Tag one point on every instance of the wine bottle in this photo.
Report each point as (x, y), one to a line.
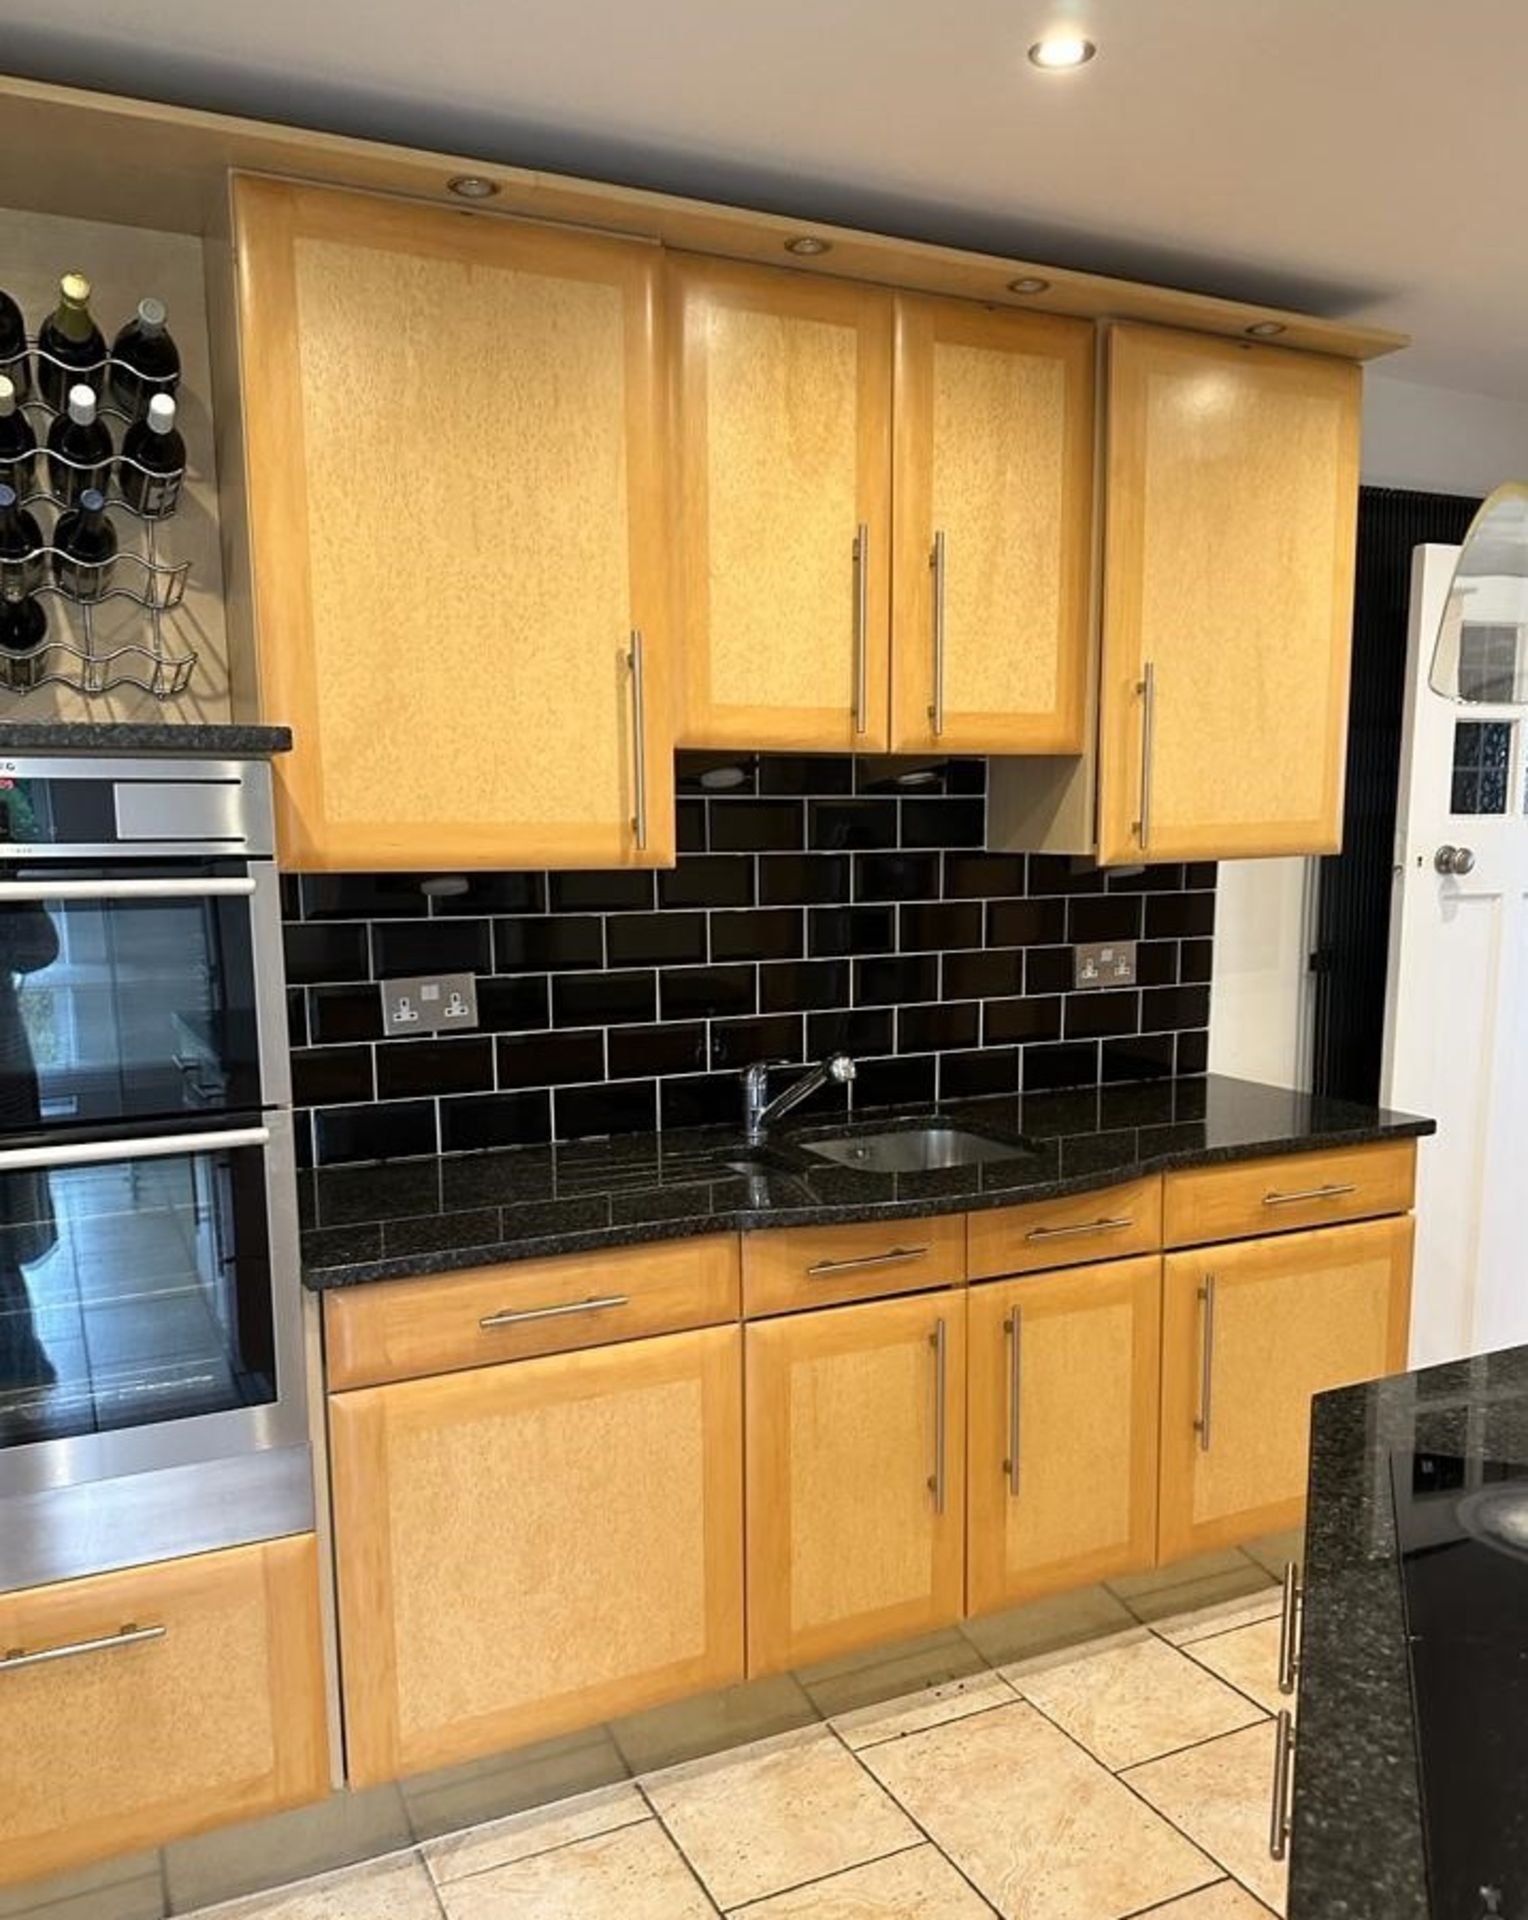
(68, 343)
(23, 563)
(153, 461)
(14, 358)
(79, 449)
(23, 627)
(85, 548)
(18, 443)
(145, 360)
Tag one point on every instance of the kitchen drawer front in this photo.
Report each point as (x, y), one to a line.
(796, 1267)
(168, 1699)
(1257, 1197)
(405, 1329)
(1080, 1228)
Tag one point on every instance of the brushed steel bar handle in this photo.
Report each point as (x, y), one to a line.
(938, 1341)
(639, 724)
(1283, 1755)
(1015, 1328)
(1289, 1627)
(1146, 686)
(97, 1152)
(128, 1636)
(1072, 1233)
(1334, 1190)
(516, 1317)
(936, 562)
(1206, 1364)
(228, 887)
(894, 1256)
(861, 627)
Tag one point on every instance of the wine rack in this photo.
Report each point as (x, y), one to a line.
(101, 653)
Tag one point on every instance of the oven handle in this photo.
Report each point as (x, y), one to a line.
(18, 1159)
(169, 889)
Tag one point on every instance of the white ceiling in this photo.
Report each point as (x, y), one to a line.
(1359, 158)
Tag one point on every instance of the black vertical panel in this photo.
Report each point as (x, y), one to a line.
(1353, 903)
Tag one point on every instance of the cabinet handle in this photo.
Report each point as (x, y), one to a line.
(1289, 1629)
(128, 1636)
(1146, 686)
(639, 724)
(1015, 1328)
(936, 563)
(1283, 1755)
(1206, 1363)
(861, 627)
(1333, 1190)
(1071, 1233)
(893, 1256)
(937, 1340)
(515, 1317)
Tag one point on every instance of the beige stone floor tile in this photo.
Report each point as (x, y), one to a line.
(891, 1719)
(635, 1873)
(1218, 1795)
(1248, 1657)
(1133, 1701)
(1045, 1626)
(917, 1885)
(777, 1814)
(491, 1789)
(1038, 1827)
(689, 1729)
(398, 1888)
(887, 1673)
(335, 1832)
(1225, 1901)
(539, 1830)
(130, 1887)
(1182, 1628)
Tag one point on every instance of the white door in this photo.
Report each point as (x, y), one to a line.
(1456, 1027)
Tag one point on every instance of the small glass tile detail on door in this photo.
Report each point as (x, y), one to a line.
(1482, 757)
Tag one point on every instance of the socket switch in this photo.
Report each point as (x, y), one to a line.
(1103, 963)
(430, 1003)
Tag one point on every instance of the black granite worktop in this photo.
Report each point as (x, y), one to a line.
(1357, 1846)
(432, 1215)
(215, 742)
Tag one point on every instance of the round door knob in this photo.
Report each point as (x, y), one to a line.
(1455, 860)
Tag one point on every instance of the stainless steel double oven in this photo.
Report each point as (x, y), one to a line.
(152, 1389)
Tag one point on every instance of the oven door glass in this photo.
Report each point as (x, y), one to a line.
(127, 993)
(135, 1286)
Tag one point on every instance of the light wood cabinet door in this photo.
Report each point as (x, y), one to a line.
(856, 1483)
(453, 439)
(1249, 1333)
(1062, 1462)
(1231, 498)
(169, 1698)
(529, 1548)
(783, 388)
(994, 514)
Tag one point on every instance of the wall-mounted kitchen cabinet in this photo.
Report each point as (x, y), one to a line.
(454, 461)
(1230, 502)
(885, 515)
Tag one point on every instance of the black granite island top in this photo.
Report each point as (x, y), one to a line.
(434, 1215)
(1357, 1849)
(218, 742)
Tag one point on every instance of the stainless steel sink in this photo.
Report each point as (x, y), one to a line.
(911, 1149)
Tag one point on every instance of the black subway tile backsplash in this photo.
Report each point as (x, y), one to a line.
(819, 903)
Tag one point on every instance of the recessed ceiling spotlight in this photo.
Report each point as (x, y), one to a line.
(807, 243)
(1058, 52)
(1265, 329)
(1028, 283)
(472, 186)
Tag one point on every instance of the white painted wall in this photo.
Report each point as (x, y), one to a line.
(1436, 440)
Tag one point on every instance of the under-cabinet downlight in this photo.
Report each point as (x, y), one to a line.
(1266, 329)
(807, 244)
(472, 186)
(1061, 52)
(1028, 283)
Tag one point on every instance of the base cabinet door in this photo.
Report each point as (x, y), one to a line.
(1250, 1332)
(856, 1503)
(140, 1706)
(528, 1548)
(1062, 1462)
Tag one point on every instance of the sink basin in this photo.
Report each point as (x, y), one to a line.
(912, 1149)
